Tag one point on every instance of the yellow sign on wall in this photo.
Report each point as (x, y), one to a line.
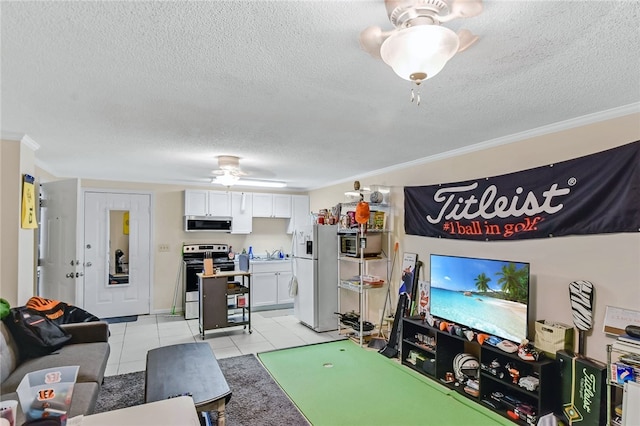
(125, 223)
(28, 216)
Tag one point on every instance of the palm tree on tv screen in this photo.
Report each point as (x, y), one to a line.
(513, 282)
(482, 283)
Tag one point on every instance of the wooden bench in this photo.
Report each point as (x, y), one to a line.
(187, 369)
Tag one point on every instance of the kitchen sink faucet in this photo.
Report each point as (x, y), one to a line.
(273, 254)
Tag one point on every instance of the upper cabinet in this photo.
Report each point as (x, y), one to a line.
(271, 205)
(207, 203)
(300, 213)
(242, 207)
(241, 212)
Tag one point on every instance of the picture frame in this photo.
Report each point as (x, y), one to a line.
(422, 298)
(409, 262)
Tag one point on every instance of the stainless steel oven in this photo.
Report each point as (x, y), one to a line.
(193, 256)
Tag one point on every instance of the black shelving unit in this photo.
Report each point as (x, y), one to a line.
(500, 392)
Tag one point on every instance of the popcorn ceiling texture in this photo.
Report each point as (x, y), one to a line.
(154, 91)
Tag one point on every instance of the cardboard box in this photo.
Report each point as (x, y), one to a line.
(583, 389)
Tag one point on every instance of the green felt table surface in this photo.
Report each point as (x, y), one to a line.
(340, 383)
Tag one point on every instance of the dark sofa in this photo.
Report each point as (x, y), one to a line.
(88, 348)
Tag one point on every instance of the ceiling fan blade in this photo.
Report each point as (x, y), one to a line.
(462, 9)
(467, 38)
(371, 39)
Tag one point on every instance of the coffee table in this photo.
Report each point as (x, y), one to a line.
(187, 369)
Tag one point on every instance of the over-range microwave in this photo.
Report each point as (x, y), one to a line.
(207, 224)
(350, 245)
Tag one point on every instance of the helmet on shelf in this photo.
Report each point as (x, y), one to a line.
(465, 366)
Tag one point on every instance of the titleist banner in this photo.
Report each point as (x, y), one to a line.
(596, 194)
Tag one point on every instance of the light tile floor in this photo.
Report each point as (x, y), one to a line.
(271, 330)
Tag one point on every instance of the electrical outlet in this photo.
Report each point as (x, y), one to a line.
(163, 247)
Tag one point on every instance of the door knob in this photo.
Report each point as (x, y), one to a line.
(79, 274)
(69, 275)
(88, 264)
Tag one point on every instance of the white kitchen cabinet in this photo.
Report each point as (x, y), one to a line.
(241, 213)
(282, 205)
(270, 283)
(262, 205)
(265, 289)
(271, 205)
(219, 203)
(207, 203)
(300, 213)
(283, 287)
(196, 203)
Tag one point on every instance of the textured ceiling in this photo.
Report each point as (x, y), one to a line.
(155, 91)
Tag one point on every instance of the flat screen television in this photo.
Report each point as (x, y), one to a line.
(489, 296)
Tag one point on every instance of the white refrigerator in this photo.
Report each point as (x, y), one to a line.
(315, 257)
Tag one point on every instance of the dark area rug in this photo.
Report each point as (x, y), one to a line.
(256, 398)
(116, 320)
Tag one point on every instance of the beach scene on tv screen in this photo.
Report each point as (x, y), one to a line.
(490, 296)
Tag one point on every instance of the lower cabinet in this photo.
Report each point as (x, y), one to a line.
(265, 289)
(271, 284)
(284, 277)
(519, 390)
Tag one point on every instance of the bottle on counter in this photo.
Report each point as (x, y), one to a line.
(250, 252)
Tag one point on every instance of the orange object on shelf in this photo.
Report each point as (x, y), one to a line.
(362, 212)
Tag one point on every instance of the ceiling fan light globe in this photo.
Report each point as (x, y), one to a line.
(421, 49)
(227, 179)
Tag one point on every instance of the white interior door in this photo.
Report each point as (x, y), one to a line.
(60, 265)
(112, 288)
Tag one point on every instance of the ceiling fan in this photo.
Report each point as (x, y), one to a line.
(419, 46)
(228, 172)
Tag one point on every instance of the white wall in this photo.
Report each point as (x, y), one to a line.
(18, 251)
(611, 261)
(10, 219)
(26, 237)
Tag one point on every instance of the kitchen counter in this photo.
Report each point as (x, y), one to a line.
(264, 260)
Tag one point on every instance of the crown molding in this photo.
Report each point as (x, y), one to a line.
(26, 139)
(572, 123)
(22, 137)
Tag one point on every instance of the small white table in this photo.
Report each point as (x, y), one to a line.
(179, 411)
